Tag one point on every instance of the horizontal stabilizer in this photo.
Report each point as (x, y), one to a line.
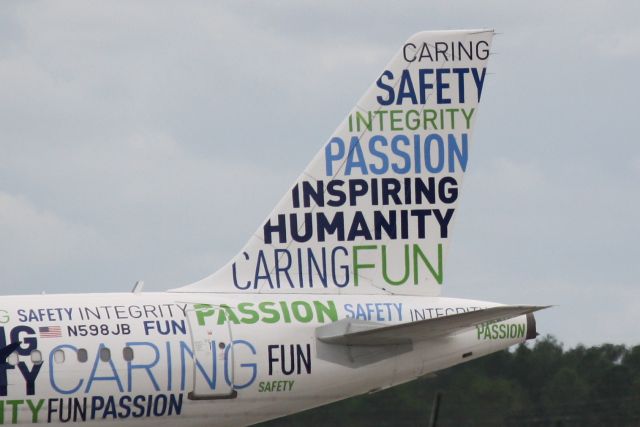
(354, 332)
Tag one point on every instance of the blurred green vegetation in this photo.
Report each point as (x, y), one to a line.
(539, 385)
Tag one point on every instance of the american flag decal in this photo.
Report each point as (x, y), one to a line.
(50, 331)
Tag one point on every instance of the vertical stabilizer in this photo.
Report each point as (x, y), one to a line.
(373, 211)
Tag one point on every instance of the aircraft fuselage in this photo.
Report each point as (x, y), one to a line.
(155, 358)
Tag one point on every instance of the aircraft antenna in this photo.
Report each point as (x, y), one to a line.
(137, 288)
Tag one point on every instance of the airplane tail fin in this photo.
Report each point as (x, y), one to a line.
(373, 211)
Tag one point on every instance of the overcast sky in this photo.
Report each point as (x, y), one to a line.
(147, 140)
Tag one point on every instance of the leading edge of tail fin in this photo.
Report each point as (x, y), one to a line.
(372, 212)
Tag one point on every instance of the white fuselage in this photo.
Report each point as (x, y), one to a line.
(211, 359)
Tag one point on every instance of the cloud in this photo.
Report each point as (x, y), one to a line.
(39, 239)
